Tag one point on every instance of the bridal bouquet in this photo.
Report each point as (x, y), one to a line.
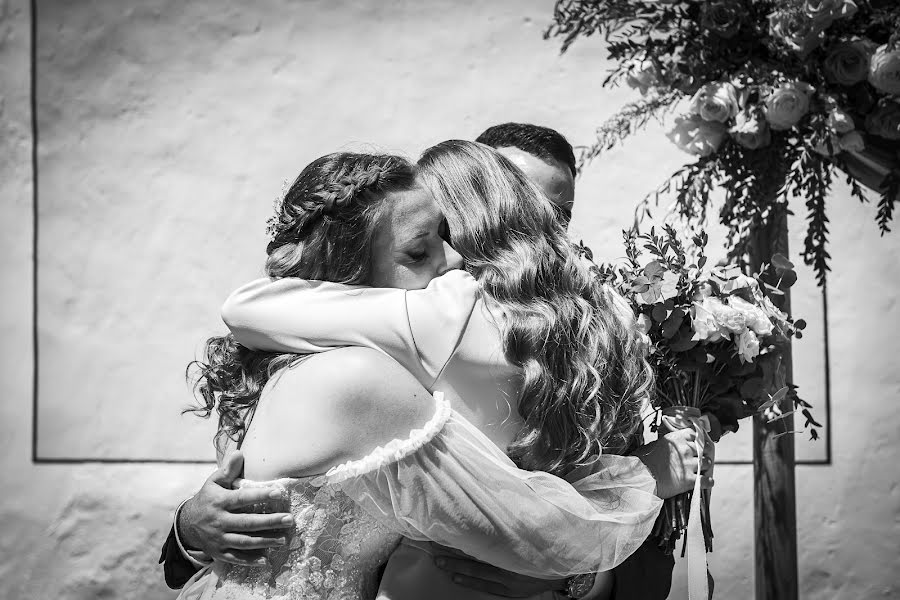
(714, 338)
(773, 96)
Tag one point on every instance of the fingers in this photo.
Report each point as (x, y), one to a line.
(233, 500)
(706, 482)
(245, 558)
(231, 469)
(247, 523)
(238, 541)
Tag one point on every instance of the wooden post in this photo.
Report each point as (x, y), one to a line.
(774, 500)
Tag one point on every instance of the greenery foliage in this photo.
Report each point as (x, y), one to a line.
(781, 94)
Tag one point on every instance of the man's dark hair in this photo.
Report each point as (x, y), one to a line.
(543, 142)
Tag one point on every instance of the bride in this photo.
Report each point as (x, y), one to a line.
(530, 333)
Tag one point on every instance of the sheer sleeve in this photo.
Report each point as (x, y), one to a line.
(450, 484)
(417, 328)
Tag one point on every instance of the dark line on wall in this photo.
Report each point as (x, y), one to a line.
(118, 461)
(34, 216)
(815, 462)
(827, 373)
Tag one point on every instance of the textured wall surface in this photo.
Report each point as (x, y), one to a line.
(167, 130)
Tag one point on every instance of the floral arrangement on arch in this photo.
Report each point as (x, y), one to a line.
(716, 340)
(776, 94)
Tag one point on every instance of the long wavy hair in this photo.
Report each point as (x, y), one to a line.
(585, 376)
(324, 229)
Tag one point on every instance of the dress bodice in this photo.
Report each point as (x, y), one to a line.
(333, 552)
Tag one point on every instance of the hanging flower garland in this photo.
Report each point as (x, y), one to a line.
(780, 95)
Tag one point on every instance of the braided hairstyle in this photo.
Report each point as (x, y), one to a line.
(323, 229)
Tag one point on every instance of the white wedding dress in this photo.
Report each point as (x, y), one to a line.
(448, 483)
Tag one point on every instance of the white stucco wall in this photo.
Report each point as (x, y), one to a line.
(167, 130)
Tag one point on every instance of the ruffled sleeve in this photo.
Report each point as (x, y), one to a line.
(418, 328)
(450, 484)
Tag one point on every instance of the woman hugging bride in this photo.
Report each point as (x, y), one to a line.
(428, 370)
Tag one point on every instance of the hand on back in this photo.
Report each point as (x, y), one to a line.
(214, 520)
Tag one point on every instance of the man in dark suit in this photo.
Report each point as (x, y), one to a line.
(212, 519)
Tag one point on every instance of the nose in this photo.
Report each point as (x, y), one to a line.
(452, 259)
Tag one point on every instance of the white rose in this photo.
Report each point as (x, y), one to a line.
(731, 319)
(696, 136)
(748, 346)
(797, 31)
(704, 324)
(715, 102)
(884, 70)
(787, 104)
(754, 316)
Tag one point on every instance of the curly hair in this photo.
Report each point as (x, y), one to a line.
(584, 375)
(323, 229)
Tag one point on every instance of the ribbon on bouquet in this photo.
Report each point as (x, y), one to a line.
(682, 417)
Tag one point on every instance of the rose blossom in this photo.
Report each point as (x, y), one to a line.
(748, 346)
(787, 104)
(754, 316)
(852, 142)
(884, 70)
(696, 136)
(642, 75)
(848, 62)
(723, 17)
(750, 130)
(704, 323)
(715, 102)
(731, 319)
(884, 121)
(796, 30)
(825, 12)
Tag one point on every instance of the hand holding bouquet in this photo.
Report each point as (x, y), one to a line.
(715, 339)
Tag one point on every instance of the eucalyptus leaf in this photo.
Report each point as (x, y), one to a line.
(780, 261)
(659, 313)
(672, 324)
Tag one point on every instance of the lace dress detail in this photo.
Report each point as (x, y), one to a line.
(334, 550)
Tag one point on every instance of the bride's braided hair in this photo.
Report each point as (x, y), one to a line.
(323, 229)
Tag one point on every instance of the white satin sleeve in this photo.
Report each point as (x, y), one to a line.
(450, 484)
(418, 328)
